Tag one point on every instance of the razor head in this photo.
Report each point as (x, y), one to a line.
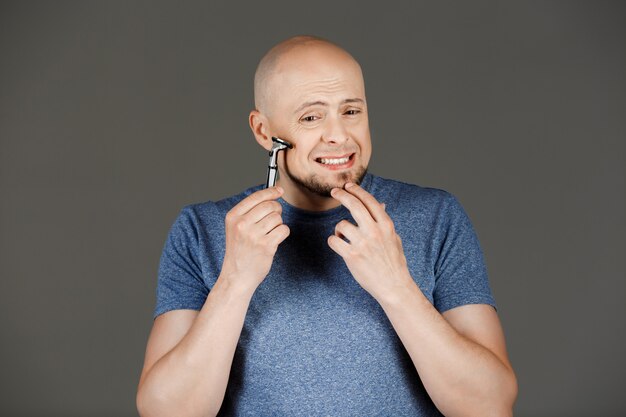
(282, 142)
(279, 145)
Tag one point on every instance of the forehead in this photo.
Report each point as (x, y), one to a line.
(317, 73)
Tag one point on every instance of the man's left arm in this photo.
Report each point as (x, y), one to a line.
(460, 355)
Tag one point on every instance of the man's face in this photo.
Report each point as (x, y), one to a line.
(319, 106)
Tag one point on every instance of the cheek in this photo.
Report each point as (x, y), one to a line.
(294, 158)
(364, 140)
(301, 152)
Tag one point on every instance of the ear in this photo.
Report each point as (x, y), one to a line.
(260, 128)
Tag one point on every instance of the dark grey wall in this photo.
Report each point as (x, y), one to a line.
(115, 115)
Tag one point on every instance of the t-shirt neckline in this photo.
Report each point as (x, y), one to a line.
(295, 213)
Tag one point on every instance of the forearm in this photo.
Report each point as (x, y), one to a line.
(191, 379)
(462, 377)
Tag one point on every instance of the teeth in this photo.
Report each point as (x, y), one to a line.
(334, 161)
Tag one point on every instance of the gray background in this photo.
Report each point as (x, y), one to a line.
(115, 115)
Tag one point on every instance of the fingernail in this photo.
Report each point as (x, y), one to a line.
(279, 188)
(349, 184)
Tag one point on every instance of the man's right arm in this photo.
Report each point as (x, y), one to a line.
(189, 354)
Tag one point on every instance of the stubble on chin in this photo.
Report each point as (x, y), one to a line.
(316, 186)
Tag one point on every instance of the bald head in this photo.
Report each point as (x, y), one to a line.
(285, 55)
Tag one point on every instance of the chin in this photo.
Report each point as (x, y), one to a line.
(322, 186)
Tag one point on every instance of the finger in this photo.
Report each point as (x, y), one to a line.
(269, 222)
(338, 245)
(347, 229)
(376, 209)
(358, 210)
(255, 198)
(278, 234)
(257, 213)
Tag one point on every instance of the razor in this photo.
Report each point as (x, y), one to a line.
(272, 171)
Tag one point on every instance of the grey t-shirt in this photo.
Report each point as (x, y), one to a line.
(314, 343)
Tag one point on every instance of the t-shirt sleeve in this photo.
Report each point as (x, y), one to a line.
(460, 271)
(180, 284)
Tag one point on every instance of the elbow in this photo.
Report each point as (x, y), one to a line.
(498, 402)
(495, 399)
(145, 406)
(511, 393)
(502, 404)
(150, 404)
(140, 405)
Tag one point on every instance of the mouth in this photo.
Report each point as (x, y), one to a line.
(335, 163)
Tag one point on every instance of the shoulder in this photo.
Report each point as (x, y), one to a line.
(416, 197)
(411, 206)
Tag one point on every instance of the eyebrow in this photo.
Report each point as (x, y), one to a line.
(323, 103)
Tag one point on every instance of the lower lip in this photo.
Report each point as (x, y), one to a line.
(338, 167)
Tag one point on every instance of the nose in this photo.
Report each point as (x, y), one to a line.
(335, 132)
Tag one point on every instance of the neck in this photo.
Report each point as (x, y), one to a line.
(302, 198)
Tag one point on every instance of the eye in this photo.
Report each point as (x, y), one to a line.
(353, 112)
(309, 118)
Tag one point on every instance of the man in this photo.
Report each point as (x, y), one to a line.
(337, 292)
